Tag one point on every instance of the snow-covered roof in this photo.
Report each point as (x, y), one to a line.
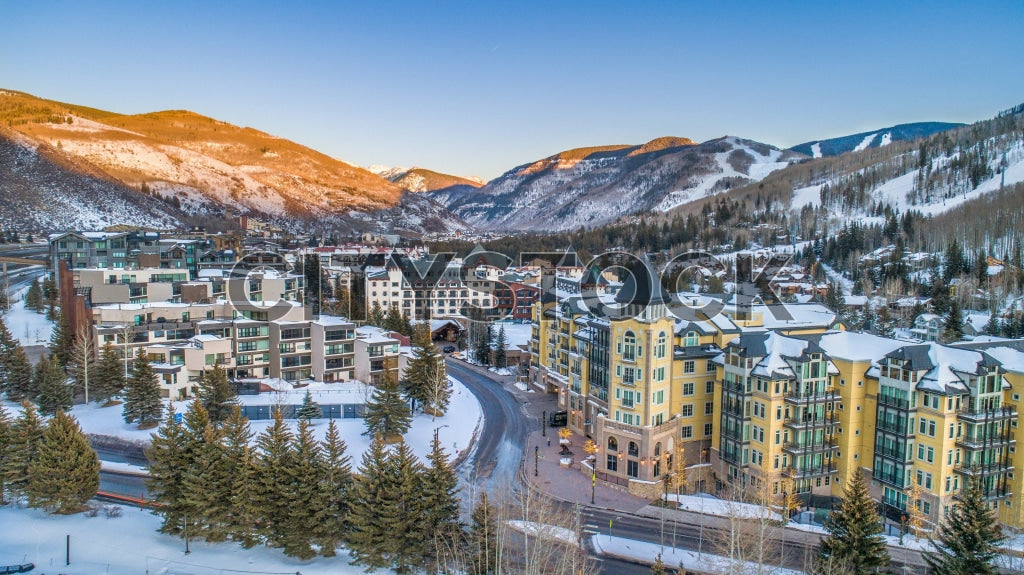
(775, 349)
(942, 365)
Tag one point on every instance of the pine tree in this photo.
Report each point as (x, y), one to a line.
(482, 539)
(6, 450)
(62, 340)
(20, 384)
(440, 515)
(234, 514)
(205, 489)
(34, 297)
(501, 349)
(854, 532)
(66, 471)
(26, 435)
(142, 395)
(370, 539)
(414, 540)
(386, 413)
(969, 539)
(376, 315)
(335, 491)
(659, 567)
(52, 382)
(422, 370)
(108, 376)
(305, 495)
(217, 394)
(273, 484)
(168, 463)
(309, 409)
(954, 323)
(393, 319)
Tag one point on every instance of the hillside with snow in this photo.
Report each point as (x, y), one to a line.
(873, 139)
(593, 186)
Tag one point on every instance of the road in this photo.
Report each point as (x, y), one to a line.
(499, 448)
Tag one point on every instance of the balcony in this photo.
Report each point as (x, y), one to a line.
(734, 387)
(973, 442)
(800, 398)
(733, 434)
(891, 401)
(811, 422)
(810, 472)
(899, 427)
(982, 470)
(896, 478)
(970, 414)
(812, 447)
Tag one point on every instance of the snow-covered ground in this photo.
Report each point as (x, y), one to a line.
(544, 531)
(29, 327)
(710, 505)
(645, 552)
(455, 428)
(130, 544)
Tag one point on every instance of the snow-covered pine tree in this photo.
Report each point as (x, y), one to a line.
(55, 394)
(108, 376)
(273, 481)
(66, 471)
(309, 409)
(854, 543)
(969, 539)
(167, 467)
(440, 504)
(482, 539)
(387, 414)
(26, 434)
(335, 491)
(217, 394)
(305, 495)
(142, 395)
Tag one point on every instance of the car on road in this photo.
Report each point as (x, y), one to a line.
(449, 349)
(23, 568)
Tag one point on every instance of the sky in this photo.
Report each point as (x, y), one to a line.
(477, 88)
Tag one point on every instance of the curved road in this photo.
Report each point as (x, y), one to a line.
(499, 448)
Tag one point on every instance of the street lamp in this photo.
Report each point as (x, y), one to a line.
(544, 424)
(536, 459)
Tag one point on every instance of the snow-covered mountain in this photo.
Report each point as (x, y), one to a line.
(419, 180)
(593, 186)
(873, 139)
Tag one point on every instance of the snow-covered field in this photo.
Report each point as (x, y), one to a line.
(645, 552)
(29, 327)
(130, 545)
(710, 505)
(455, 429)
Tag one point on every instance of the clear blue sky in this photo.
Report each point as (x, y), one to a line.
(476, 88)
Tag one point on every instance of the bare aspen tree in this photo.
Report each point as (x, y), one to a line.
(83, 358)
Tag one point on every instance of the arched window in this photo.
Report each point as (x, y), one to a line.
(634, 449)
(629, 346)
(659, 349)
(613, 444)
(657, 449)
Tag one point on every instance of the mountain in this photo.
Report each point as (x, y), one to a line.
(199, 165)
(424, 180)
(874, 139)
(593, 186)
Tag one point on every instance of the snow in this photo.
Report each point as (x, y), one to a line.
(544, 531)
(816, 150)
(457, 427)
(516, 334)
(130, 544)
(856, 346)
(119, 467)
(1011, 359)
(710, 505)
(865, 142)
(29, 327)
(809, 196)
(644, 552)
(886, 139)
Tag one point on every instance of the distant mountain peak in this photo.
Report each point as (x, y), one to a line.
(872, 139)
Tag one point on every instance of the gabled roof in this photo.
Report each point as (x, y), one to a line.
(642, 286)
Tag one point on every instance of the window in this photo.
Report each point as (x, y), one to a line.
(688, 410)
(710, 366)
(709, 407)
(632, 468)
(686, 431)
(612, 463)
(659, 397)
(659, 349)
(708, 429)
(688, 388)
(689, 366)
(613, 444)
(634, 449)
(629, 347)
(709, 387)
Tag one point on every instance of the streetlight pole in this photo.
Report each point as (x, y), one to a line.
(536, 459)
(544, 424)
(593, 481)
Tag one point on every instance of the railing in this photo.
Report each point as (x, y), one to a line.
(983, 468)
(829, 394)
(895, 478)
(812, 471)
(893, 401)
(893, 453)
(900, 427)
(825, 421)
(810, 447)
(982, 441)
(1005, 411)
